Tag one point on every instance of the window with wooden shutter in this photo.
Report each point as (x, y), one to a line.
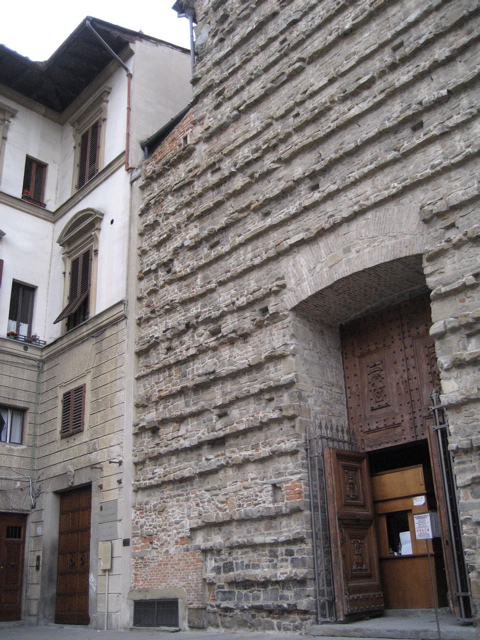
(34, 181)
(89, 130)
(78, 307)
(73, 411)
(21, 310)
(89, 154)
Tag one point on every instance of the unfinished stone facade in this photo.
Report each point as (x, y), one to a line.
(330, 171)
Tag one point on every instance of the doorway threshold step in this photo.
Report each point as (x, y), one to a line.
(399, 626)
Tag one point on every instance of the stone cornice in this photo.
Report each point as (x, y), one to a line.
(53, 216)
(26, 207)
(92, 184)
(86, 330)
(97, 323)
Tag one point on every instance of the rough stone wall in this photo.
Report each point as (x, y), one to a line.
(333, 145)
(453, 274)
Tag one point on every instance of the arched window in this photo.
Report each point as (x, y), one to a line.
(80, 242)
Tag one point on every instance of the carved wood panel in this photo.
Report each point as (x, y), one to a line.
(390, 369)
(354, 549)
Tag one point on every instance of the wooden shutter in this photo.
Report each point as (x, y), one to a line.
(89, 154)
(34, 181)
(84, 272)
(21, 307)
(74, 272)
(80, 281)
(73, 411)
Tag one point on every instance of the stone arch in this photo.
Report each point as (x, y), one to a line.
(84, 223)
(393, 237)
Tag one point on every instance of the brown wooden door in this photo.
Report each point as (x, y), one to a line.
(390, 371)
(73, 557)
(356, 570)
(12, 550)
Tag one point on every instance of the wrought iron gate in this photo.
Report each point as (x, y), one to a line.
(440, 426)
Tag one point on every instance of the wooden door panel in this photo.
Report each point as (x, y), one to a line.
(73, 557)
(12, 550)
(354, 550)
(378, 398)
(423, 374)
(401, 592)
(390, 370)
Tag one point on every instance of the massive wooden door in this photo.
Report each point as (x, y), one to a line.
(12, 549)
(355, 564)
(390, 372)
(73, 557)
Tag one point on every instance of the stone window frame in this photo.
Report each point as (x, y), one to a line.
(33, 190)
(6, 115)
(96, 111)
(17, 305)
(81, 234)
(9, 410)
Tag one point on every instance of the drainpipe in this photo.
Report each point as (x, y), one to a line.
(34, 435)
(190, 14)
(185, 9)
(129, 91)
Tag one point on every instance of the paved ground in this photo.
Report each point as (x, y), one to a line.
(56, 632)
(422, 626)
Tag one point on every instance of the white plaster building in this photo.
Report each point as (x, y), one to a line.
(70, 133)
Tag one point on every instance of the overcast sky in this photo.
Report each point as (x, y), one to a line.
(36, 29)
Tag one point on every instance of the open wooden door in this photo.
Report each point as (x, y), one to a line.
(356, 573)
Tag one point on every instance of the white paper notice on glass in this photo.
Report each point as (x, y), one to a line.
(406, 542)
(418, 501)
(423, 526)
(426, 525)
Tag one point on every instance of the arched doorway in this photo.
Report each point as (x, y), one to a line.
(390, 374)
(383, 317)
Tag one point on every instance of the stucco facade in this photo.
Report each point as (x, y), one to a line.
(328, 174)
(62, 346)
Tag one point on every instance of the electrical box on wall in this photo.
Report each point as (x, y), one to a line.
(105, 555)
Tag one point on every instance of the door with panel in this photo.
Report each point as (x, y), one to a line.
(390, 371)
(72, 604)
(12, 551)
